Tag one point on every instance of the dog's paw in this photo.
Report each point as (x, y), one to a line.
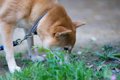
(37, 58)
(15, 68)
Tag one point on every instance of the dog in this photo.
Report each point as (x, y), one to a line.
(55, 29)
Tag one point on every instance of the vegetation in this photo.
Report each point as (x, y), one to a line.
(89, 65)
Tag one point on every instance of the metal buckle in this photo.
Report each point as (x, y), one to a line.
(19, 41)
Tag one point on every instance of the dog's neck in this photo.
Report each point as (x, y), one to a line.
(39, 9)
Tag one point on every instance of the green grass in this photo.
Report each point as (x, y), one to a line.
(57, 68)
(108, 52)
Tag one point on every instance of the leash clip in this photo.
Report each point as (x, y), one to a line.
(19, 41)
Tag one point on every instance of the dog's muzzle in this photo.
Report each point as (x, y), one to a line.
(68, 49)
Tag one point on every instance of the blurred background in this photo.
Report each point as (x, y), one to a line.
(102, 19)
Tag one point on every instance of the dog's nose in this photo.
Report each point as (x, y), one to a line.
(67, 48)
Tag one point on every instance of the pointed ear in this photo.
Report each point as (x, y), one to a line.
(63, 34)
(78, 23)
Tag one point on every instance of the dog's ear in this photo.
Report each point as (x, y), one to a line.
(78, 24)
(63, 33)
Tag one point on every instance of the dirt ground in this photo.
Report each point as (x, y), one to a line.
(102, 19)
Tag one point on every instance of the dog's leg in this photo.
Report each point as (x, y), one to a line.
(7, 34)
(30, 44)
(33, 52)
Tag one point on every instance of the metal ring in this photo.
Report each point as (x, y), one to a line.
(19, 41)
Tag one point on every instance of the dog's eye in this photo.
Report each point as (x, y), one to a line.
(53, 34)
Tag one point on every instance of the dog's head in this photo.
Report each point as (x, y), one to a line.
(56, 29)
(59, 37)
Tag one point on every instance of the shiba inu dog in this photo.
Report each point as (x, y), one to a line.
(55, 29)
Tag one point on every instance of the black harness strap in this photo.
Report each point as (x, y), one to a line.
(30, 33)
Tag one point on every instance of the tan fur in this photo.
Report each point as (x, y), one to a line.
(55, 29)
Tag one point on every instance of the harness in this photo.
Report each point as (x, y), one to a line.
(28, 35)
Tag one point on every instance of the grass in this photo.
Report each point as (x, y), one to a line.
(76, 68)
(107, 52)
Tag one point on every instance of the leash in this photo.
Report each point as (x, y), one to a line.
(30, 33)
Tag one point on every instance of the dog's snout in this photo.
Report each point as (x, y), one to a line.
(67, 48)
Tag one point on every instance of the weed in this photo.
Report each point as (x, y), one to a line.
(108, 52)
(57, 68)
